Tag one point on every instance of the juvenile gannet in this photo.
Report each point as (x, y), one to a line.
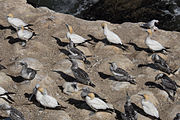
(152, 44)
(151, 24)
(120, 74)
(27, 73)
(80, 75)
(25, 34)
(97, 104)
(130, 113)
(161, 64)
(16, 22)
(44, 99)
(77, 39)
(177, 117)
(149, 107)
(5, 94)
(70, 87)
(13, 113)
(76, 53)
(167, 83)
(112, 37)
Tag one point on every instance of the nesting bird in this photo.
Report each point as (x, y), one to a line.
(120, 74)
(130, 113)
(25, 34)
(16, 22)
(153, 45)
(177, 117)
(151, 25)
(161, 64)
(70, 87)
(44, 99)
(167, 83)
(112, 37)
(76, 53)
(149, 107)
(77, 39)
(5, 94)
(27, 73)
(97, 104)
(80, 75)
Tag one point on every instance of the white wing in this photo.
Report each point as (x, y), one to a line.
(150, 109)
(112, 37)
(17, 22)
(77, 38)
(154, 45)
(2, 90)
(49, 101)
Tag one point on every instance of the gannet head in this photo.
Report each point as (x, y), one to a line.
(155, 21)
(145, 96)
(155, 57)
(10, 15)
(149, 31)
(91, 95)
(159, 76)
(69, 28)
(104, 25)
(113, 64)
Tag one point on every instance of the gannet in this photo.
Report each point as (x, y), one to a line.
(25, 34)
(167, 83)
(44, 99)
(151, 24)
(161, 64)
(97, 104)
(112, 37)
(13, 113)
(149, 107)
(16, 22)
(76, 53)
(120, 74)
(130, 113)
(70, 87)
(77, 39)
(177, 117)
(5, 94)
(80, 75)
(152, 44)
(27, 73)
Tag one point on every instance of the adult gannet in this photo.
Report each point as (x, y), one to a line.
(13, 113)
(97, 104)
(77, 39)
(112, 37)
(167, 83)
(70, 87)
(149, 107)
(151, 25)
(177, 117)
(44, 99)
(76, 53)
(5, 94)
(152, 44)
(161, 64)
(80, 75)
(130, 113)
(16, 22)
(25, 34)
(27, 73)
(120, 74)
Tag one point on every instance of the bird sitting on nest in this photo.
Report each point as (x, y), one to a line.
(70, 87)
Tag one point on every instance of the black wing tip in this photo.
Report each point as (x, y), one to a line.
(91, 84)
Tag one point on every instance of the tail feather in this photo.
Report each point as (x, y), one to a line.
(91, 84)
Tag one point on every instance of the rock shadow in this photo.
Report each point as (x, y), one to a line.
(12, 40)
(59, 42)
(104, 76)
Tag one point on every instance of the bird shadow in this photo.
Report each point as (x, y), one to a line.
(66, 77)
(12, 40)
(17, 79)
(104, 76)
(80, 104)
(4, 118)
(137, 48)
(95, 39)
(119, 114)
(64, 51)
(141, 111)
(59, 42)
(150, 65)
(61, 88)
(7, 27)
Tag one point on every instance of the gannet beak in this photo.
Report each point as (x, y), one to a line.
(110, 63)
(141, 95)
(34, 92)
(67, 25)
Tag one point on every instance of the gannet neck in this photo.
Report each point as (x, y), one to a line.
(74, 64)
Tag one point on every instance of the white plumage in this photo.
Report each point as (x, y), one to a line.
(24, 34)
(3, 91)
(111, 36)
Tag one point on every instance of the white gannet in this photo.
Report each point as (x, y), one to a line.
(16, 22)
(44, 99)
(112, 37)
(177, 117)
(27, 73)
(151, 25)
(167, 83)
(5, 94)
(152, 44)
(77, 39)
(76, 53)
(70, 87)
(80, 75)
(13, 113)
(97, 104)
(120, 74)
(161, 64)
(149, 107)
(25, 34)
(130, 113)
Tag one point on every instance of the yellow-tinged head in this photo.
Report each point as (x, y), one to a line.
(70, 29)
(91, 95)
(146, 97)
(10, 15)
(103, 24)
(149, 31)
(22, 27)
(40, 89)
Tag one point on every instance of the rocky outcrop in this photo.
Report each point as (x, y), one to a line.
(47, 53)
